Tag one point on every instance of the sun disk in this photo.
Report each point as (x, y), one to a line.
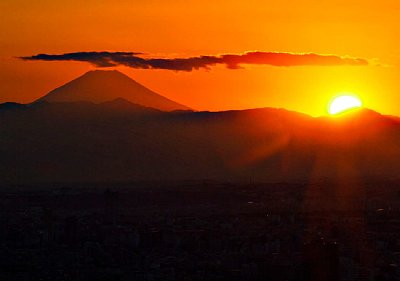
(343, 103)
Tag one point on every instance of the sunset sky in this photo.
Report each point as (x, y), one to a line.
(350, 31)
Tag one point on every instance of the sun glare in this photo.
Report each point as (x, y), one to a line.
(343, 103)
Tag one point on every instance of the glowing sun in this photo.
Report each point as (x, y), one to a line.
(343, 103)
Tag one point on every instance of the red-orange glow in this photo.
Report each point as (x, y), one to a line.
(361, 29)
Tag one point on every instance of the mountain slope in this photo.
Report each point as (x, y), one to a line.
(101, 86)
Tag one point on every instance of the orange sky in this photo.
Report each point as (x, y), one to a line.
(362, 29)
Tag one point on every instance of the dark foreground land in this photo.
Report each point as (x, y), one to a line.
(201, 231)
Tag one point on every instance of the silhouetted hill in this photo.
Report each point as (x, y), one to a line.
(122, 105)
(11, 106)
(101, 86)
(121, 141)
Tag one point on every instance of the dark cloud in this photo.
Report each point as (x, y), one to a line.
(100, 59)
(289, 59)
(232, 61)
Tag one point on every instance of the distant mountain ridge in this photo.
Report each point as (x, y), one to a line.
(105, 127)
(100, 86)
(119, 141)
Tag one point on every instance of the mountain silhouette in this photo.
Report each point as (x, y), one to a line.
(100, 86)
(11, 106)
(118, 141)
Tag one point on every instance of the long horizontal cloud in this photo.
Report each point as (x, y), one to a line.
(232, 61)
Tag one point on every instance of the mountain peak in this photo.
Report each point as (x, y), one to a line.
(101, 72)
(99, 86)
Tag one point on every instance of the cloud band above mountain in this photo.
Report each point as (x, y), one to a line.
(232, 61)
